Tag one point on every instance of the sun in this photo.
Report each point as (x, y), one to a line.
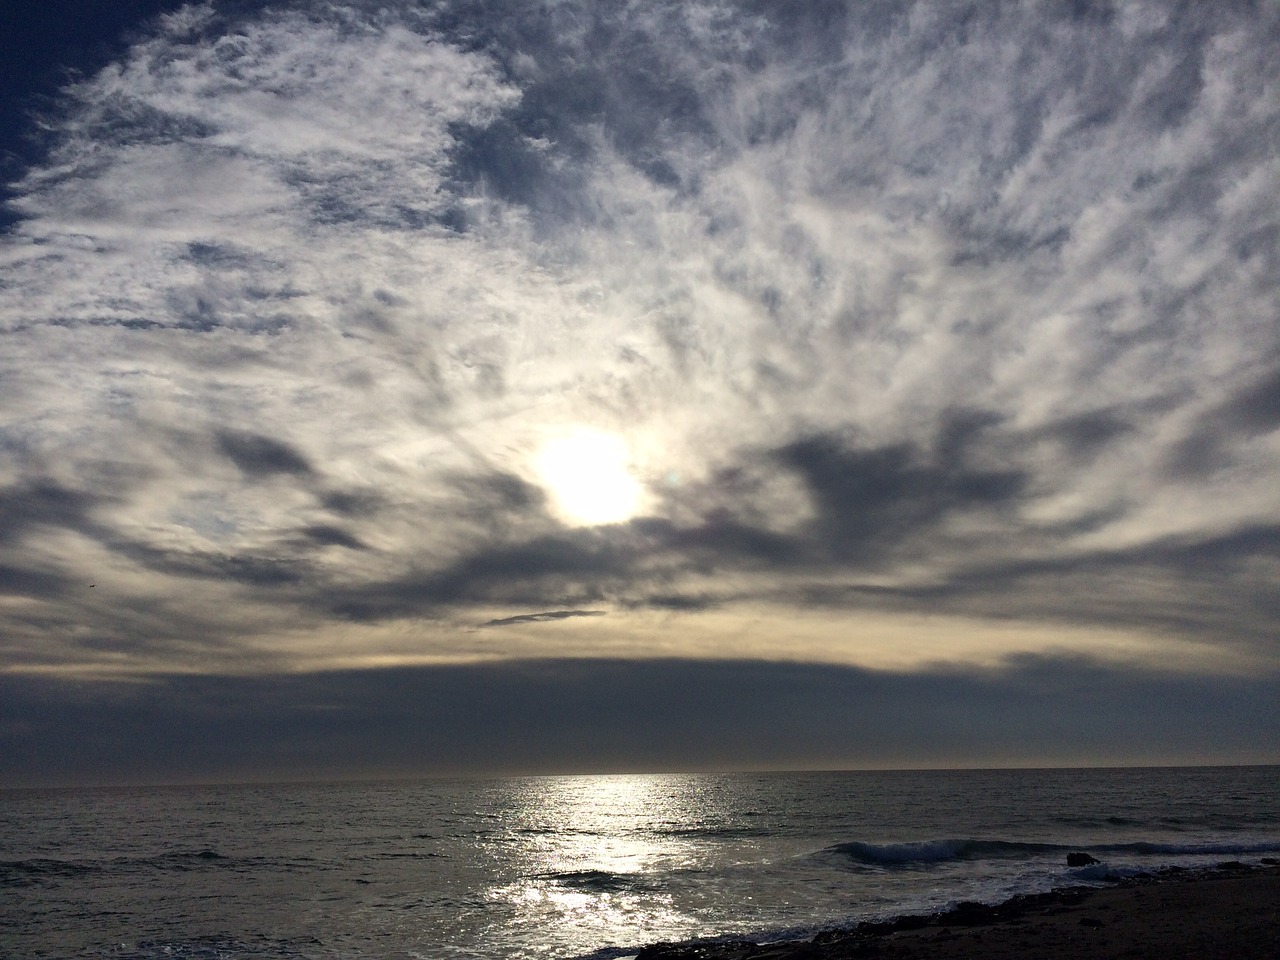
(587, 474)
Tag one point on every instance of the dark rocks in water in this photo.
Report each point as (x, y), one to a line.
(721, 950)
(968, 913)
(1080, 860)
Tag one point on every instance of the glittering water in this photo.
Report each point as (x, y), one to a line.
(579, 866)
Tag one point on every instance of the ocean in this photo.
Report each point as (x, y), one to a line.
(584, 866)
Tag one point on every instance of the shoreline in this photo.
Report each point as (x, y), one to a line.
(1231, 910)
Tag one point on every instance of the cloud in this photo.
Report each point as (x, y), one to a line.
(1231, 427)
(876, 498)
(907, 313)
(16, 581)
(32, 505)
(258, 455)
(327, 535)
(544, 617)
(585, 716)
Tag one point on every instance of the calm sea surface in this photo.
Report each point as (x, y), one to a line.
(579, 866)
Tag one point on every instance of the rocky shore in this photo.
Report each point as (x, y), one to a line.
(1231, 911)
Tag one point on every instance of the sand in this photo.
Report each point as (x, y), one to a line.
(1232, 911)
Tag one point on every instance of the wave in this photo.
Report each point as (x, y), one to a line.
(37, 870)
(26, 873)
(713, 833)
(1223, 848)
(935, 851)
(941, 851)
(185, 859)
(215, 948)
(596, 881)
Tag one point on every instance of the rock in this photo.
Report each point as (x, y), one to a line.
(1080, 860)
(968, 913)
(721, 950)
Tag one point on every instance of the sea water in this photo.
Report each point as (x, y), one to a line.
(581, 866)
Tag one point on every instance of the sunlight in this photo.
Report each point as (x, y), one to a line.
(588, 477)
(590, 847)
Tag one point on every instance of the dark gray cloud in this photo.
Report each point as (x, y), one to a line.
(354, 504)
(1218, 589)
(547, 616)
(592, 715)
(873, 500)
(28, 506)
(17, 581)
(568, 567)
(259, 456)
(1085, 434)
(330, 536)
(1255, 410)
(1249, 414)
(268, 571)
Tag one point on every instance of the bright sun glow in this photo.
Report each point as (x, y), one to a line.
(587, 474)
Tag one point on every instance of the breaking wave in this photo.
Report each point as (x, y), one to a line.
(938, 851)
(596, 881)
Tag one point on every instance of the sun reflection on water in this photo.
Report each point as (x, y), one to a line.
(587, 846)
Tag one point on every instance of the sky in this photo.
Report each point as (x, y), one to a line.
(482, 386)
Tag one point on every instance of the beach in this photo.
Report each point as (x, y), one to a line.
(1231, 911)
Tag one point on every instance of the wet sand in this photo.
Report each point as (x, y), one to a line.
(1232, 911)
